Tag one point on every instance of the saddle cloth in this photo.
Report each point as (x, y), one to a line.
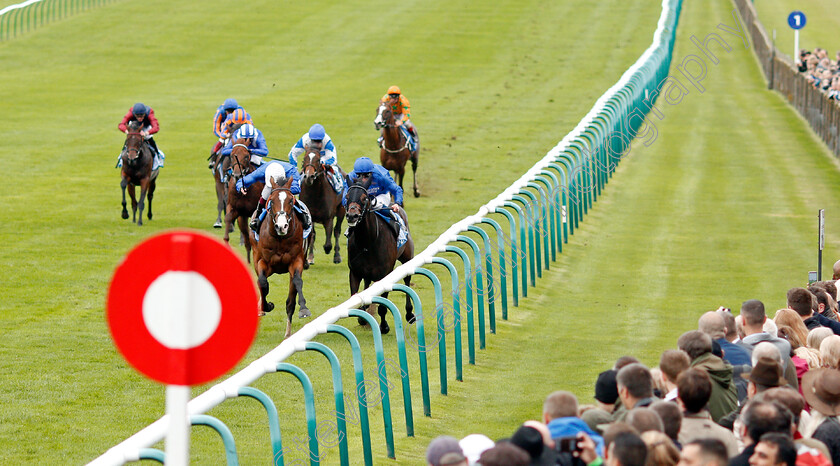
(397, 225)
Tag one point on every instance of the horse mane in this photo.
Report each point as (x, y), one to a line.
(134, 125)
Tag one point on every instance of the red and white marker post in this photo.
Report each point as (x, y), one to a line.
(182, 309)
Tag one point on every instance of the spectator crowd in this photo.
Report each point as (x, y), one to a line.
(740, 389)
(821, 71)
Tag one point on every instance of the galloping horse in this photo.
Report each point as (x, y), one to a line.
(220, 168)
(279, 249)
(395, 151)
(137, 161)
(372, 248)
(241, 206)
(323, 202)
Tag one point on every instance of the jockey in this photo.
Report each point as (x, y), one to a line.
(402, 112)
(318, 136)
(233, 121)
(266, 173)
(219, 118)
(146, 116)
(253, 139)
(381, 187)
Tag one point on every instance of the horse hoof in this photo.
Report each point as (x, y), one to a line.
(327, 249)
(384, 328)
(125, 215)
(218, 224)
(305, 265)
(260, 313)
(362, 322)
(304, 313)
(337, 260)
(416, 193)
(268, 307)
(410, 318)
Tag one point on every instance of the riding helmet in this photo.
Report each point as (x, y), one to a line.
(139, 109)
(239, 116)
(246, 131)
(363, 165)
(230, 104)
(394, 90)
(316, 132)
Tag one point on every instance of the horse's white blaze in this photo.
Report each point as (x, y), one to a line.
(181, 309)
(312, 156)
(379, 118)
(281, 221)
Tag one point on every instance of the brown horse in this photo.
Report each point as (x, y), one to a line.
(137, 161)
(220, 172)
(395, 151)
(372, 248)
(241, 206)
(323, 202)
(281, 249)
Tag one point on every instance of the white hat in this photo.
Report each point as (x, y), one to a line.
(474, 445)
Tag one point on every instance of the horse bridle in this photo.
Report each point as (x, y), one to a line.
(313, 164)
(291, 217)
(236, 159)
(137, 151)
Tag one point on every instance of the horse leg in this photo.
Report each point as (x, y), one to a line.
(133, 203)
(414, 159)
(354, 288)
(244, 233)
(230, 215)
(384, 328)
(123, 184)
(221, 198)
(297, 281)
(409, 306)
(262, 282)
(310, 249)
(328, 230)
(339, 219)
(144, 188)
(151, 195)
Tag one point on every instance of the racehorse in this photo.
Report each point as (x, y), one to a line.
(137, 161)
(279, 249)
(220, 168)
(241, 206)
(323, 202)
(372, 248)
(395, 149)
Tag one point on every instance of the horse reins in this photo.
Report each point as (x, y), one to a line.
(384, 145)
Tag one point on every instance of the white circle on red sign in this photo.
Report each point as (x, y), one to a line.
(181, 309)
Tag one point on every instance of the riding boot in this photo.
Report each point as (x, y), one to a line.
(256, 219)
(307, 217)
(212, 160)
(379, 141)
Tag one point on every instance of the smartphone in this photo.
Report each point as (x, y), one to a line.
(566, 444)
(812, 277)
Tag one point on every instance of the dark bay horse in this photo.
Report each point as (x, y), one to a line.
(323, 202)
(137, 161)
(395, 150)
(372, 248)
(241, 206)
(281, 249)
(220, 169)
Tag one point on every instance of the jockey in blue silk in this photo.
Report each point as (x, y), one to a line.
(382, 186)
(222, 114)
(253, 139)
(267, 173)
(318, 136)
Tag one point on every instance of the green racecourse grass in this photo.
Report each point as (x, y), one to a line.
(719, 209)
(820, 29)
(493, 89)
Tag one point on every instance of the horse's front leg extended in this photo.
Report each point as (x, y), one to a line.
(123, 184)
(144, 188)
(262, 281)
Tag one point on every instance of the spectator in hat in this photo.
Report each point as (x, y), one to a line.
(504, 454)
(704, 452)
(724, 397)
(671, 416)
(821, 388)
(671, 364)
(445, 451)
(474, 445)
(530, 440)
(759, 418)
(774, 450)
(766, 374)
(660, 449)
(695, 390)
(560, 411)
(635, 388)
(596, 419)
(606, 390)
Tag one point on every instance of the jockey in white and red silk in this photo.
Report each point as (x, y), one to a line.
(146, 117)
(254, 141)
